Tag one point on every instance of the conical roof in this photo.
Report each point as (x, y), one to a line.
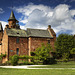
(12, 17)
(1, 28)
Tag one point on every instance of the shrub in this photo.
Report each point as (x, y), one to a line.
(25, 57)
(32, 53)
(49, 61)
(65, 60)
(65, 56)
(2, 55)
(0, 60)
(14, 60)
(28, 63)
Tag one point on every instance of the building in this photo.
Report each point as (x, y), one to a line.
(14, 40)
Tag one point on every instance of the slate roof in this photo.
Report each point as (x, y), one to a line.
(16, 32)
(12, 17)
(28, 32)
(38, 33)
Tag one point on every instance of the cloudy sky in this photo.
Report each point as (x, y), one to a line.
(60, 14)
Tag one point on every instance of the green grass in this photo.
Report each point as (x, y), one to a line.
(70, 64)
(4, 71)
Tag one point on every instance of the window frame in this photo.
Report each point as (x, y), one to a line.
(48, 41)
(17, 40)
(17, 51)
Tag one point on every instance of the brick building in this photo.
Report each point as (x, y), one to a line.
(14, 40)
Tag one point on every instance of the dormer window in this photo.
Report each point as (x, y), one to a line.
(17, 33)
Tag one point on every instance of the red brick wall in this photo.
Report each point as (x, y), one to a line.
(12, 24)
(22, 45)
(36, 42)
(0, 49)
(4, 47)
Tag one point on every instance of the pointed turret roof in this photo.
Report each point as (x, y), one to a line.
(12, 17)
(1, 28)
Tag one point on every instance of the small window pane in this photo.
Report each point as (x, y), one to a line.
(17, 40)
(48, 41)
(17, 51)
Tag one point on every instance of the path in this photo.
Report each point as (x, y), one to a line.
(27, 67)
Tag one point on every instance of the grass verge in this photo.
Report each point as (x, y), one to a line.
(70, 64)
(4, 71)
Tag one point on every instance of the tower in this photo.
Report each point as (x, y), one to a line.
(1, 32)
(12, 21)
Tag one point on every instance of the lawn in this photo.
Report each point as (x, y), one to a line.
(70, 64)
(4, 71)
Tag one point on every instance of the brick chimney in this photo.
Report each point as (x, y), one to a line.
(51, 31)
(49, 26)
(53, 34)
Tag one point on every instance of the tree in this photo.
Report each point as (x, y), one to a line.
(43, 53)
(64, 43)
(73, 53)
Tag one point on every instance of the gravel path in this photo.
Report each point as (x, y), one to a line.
(27, 67)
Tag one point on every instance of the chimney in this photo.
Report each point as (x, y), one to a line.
(7, 26)
(49, 26)
(49, 29)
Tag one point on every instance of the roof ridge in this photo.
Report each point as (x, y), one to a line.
(15, 29)
(36, 29)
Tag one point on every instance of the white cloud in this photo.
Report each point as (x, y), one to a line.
(40, 16)
(72, 12)
(1, 11)
(61, 12)
(3, 24)
(24, 21)
(27, 10)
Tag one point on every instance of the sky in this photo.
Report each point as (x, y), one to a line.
(60, 14)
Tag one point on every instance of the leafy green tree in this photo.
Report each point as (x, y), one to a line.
(43, 53)
(64, 43)
(73, 52)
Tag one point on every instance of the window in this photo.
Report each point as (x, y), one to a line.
(17, 40)
(17, 51)
(11, 50)
(48, 41)
(1, 39)
(17, 33)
